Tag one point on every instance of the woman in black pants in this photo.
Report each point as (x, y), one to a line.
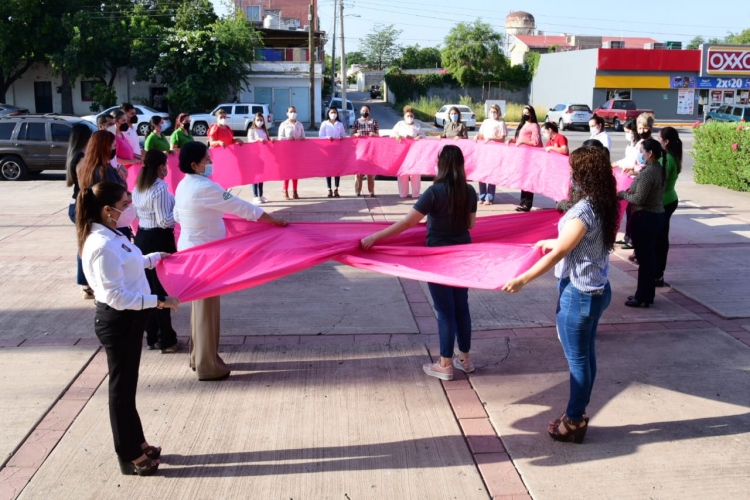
(154, 205)
(646, 195)
(114, 269)
(79, 139)
(671, 142)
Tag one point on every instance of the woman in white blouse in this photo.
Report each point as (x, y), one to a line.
(114, 270)
(332, 128)
(596, 126)
(154, 205)
(493, 129)
(200, 205)
(408, 128)
(258, 133)
(291, 130)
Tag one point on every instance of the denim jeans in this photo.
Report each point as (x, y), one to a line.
(578, 315)
(258, 190)
(486, 192)
(453, 317)
(80, 277)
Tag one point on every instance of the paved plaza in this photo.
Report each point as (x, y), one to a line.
(327, 398)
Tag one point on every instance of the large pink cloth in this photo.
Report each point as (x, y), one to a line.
(256, 253)
(522, 167)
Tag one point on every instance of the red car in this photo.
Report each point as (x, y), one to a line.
(615, 112)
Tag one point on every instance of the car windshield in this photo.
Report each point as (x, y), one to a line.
(627, 104)
(150, 110)
(579, 107)
(747, 114)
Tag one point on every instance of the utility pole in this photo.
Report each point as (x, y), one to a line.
(344, 83)
(333, 54)
(311, 53)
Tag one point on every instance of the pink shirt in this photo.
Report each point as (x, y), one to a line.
(530, 133)
(124, 149)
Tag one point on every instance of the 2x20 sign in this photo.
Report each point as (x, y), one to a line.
(728, 61)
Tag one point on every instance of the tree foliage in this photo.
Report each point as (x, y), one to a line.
(356, 58)
(531, 62)
(473, 53)
(416, 57)
(381, 46)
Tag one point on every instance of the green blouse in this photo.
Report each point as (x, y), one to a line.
(158, 142)
(670, 195)
(180, 138)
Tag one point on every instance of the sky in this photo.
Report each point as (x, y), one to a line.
(427, 22)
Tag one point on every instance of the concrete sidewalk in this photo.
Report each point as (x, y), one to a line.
(327, 398)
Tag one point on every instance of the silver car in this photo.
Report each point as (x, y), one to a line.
(568, 115)
(144, 114)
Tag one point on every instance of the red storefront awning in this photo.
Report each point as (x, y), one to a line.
(648, 60)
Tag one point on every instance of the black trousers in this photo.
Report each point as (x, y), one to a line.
(647, 228)
(629, 208)
(662, 245)
(159, 328)
(121, 334)
(527, 199)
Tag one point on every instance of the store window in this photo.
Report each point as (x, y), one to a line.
(253, 13)
(87, 91)
(619, 94)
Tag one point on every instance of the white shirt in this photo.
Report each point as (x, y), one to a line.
(256, 134)
(335, 130)
(604, 138)
(287, 130)
(114, 267)
(134, 140)
(155, 206)
(200, 205)
(403, 129)
(493, 129)
(631, 157)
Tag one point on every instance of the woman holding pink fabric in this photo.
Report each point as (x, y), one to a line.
(528, 133)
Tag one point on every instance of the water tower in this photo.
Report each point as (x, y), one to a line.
(518, 23)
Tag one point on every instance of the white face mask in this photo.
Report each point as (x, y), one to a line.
(292, 115)
(594, 130)
(127, 216)
(629, 136)
(259, 123)
(409, 119)
(112, 129)
(545, 137)
(493, 115)
(222, 121)
(333, 116)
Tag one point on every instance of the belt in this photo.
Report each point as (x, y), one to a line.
(595, 293)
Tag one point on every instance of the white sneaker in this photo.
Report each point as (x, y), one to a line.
(257, 201)
(263, 199)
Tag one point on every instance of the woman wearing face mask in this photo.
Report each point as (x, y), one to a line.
(219, 134)
(79, 138)
(493, 129)
(291, 130)
(596, 127)
(644, 125)
(646, 194)
(454, 128)
(181, 134)
(629, 164)
(125, 154)
(258, 133)
(155, 139)
(411, 129)
(528, 133)
(114, 269)
(332, 128)
(154, 205)
(200, 205)
(672, 144)
(450, 205)
(365, 126)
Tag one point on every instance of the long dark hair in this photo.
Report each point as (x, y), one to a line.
(90, 203)
(152, 160)
(458, 112)
(531, 118)
(453, 176)
(337, 113)
(593, 179)
(192, 152)
(659, 156)
(98, 153)
(153, 122)
(79, 138)
(674, 144)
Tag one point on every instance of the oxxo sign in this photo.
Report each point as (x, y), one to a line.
(728, 61)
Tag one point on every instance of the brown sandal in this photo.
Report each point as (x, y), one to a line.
(330, 193)
(146, 467)
(574, 431)
(295, 195)
(336, 194)
(152, 452)
(286, 195)
(556, 422)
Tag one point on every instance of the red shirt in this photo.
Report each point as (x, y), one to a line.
(217, 133)
(558, 142)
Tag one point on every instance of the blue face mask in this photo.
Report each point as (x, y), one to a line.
(641, 160)
(209, 170)
(454, 117)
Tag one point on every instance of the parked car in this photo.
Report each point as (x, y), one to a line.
(144, 114)
(615, 112)
(32, 143)
(729, 113)
(10, 110)
(240, 117)
(467, 116)
(568, 115)
(336, 103)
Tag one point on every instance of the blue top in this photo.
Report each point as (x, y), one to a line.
(587, 265)
(442, 227)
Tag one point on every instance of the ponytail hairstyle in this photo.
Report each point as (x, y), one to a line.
(96, 159)
(659, 156)
(152, 160)
(452, 175)
(180, 121)
(153, 122)
(91, 201)
(674, 144)
(79, 138)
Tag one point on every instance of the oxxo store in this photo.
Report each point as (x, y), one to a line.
(724, 76)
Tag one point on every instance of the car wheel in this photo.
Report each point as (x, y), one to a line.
(561, 125)
(142, 129)
(709, 119)
(546, 118)
(472, 128)
(200, 129)
(436, 123)
(616, 125)
(13, 168)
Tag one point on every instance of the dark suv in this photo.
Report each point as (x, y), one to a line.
(32, 143)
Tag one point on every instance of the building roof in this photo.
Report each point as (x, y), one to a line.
(540, 41)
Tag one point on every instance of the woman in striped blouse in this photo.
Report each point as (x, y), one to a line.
(154, 205)
(580, 256)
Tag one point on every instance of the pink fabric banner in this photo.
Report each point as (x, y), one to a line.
(256, 253)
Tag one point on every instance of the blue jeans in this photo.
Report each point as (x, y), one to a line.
(453, 317)
(486, 192)
(258, 190)
(578, 315)
(80, 278)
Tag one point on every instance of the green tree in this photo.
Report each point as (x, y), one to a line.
(695, 43)
(473, 53)
(531, 62)
(195, 15)
(742, 38)
(416, 57)
(356, 58)
(380, 47)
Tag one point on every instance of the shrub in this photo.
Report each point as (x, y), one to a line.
(722, 155)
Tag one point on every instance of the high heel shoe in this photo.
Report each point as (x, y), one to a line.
(295, 195)
(330, 193)
(152, 452)
(574, 431)
(556, 422)
(145, 467)
(336, 193)
(286, 195)
(633, 302)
